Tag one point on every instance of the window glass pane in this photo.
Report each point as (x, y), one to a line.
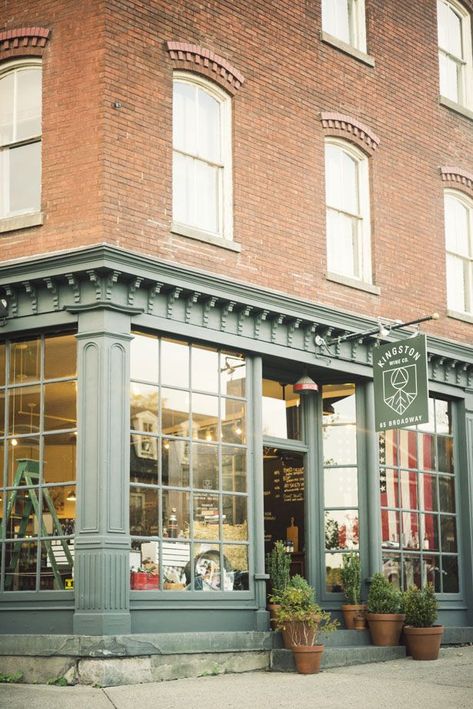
(144, 459)
(431, 571)
(7, 83)
(389, 488)
(60, 355)
(28, 106)
(234, 469)
(342, 243)
(457, 221)
(341, 529)
(235, 518)
(205, 466)
(450, 578)
(335, 18)
(456, 286)
(333, 576)
(430, 539)
(236, 555)
(207, 570)
(24, 406)
(25, 177)
(2, 412)
(232, 374)
(144, 513)
(448, 534)
(22, 449)
(449, 29)
(184, 117)
(2, 364)
(25, 361)
(20, 566)
(209, 126)
(339, 445)
(341, 487)
(175, 457)
(205, 417)
(428, 492)
(411, 572)
(408, 490)
(281, 410)
(392, 569)
(233, 421)
(175, 412)
(206, 198)
(445, 454)
(2, 480)
(443, 416)
(59, 464)
(175, 363)
(206, 515)
(182, 188)
(59, 406)
(56, 565)
(144, 358)
(390, 528)
(410, 530)
(176, 566)
(21, 520)
(449, 80)
(204, 373)
(427, 450)
(176, 516)
(447, 493)
(144, 407)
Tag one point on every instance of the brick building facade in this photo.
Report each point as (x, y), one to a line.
(233, 190)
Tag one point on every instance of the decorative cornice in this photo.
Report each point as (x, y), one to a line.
(195, 58)
(169, 297)
(30, 40)
(351, 129)
(458, 178)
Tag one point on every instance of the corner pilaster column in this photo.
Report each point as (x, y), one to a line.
(102, 541)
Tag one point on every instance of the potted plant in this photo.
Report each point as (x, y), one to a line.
(423, 638)
(385, 611)
(351, 581)
(278, 563)
(302, 620)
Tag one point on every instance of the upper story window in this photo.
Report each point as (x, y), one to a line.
(347, 203)
(20, 138)
(345, 20)
(455, 52)
(202, 181)
(459, 244)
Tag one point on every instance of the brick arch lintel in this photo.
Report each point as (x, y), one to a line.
(349, 128)
(458, 178)
(22, 41)
(194, 58)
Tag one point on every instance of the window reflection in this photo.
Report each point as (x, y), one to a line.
(174, 363)
(25, 361)
(281, 410)
(144, 358)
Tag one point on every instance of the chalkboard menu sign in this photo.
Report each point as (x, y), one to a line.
(283, 498)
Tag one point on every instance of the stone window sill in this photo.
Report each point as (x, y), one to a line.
(466, 317)
(183, 230)
(457, 107)
(353, 283)
(22, 221)
(347, 48)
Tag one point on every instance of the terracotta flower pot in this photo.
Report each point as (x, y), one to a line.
(423, 643)
(385, 628)
(307, 658)
(349, 614)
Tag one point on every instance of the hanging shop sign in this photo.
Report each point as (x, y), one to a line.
(401, 395)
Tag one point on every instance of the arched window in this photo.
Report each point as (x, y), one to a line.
(455, 52)
(20, 138)
(459, 245)
(347, 204)
(202, 179)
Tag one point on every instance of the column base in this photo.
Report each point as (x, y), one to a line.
(100, 623)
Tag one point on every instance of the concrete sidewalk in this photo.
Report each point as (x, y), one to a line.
(444, 684)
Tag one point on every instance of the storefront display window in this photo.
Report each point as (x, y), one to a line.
(418, 510)
(340, 479)
(38, 436)
(188, 472)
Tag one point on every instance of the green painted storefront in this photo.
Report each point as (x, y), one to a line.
(82, 325)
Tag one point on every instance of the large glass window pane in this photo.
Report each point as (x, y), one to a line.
(392, 569)
(59, 406)
(184, 121)
(233, 416)
(205, 366)
(144, 358)
(339, 445)
(207, 570)
(235, 518)
(430, 540)
(281, 410)
(456, 286)
(389, 488)
(431, 571)
(175, 457)
(24, 410)
(445, 454)
(2, 364)
(408, 490)
(234, 469)
(333, 573)
(176, 514)
(144, 511)
(175, 412)
(7, 85)
(447, 493)
(232, 374)
(341, 529)
(412, 574)
(209, 126)
(236, 555)
(2, 412)
(448, 533)
(205, 420)
(336, 18)
(174, 363)
(443, 416)
(20, 566)
(410, 530)
(205, 466)
(56, 565)
(22, 450)
(450, 578)
(25, 361)
(25, 177)
(206, 515)
(341, 487)
(59, 461)
(428, 492)
(60, 357)
(390, 528)
(21, 519)
(342, 237)
(144, 407)
(144, 459)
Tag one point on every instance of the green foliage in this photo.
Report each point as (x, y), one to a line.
(331, 533)
(278, 563)
(383, 597)
(13, 678)
(351, 577)
(58, 681)
(297, 605)
(420, 606)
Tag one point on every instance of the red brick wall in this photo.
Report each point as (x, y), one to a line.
(116, 183)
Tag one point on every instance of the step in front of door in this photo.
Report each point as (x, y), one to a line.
(283, 661)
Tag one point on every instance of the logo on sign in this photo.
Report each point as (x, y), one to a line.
(400, 387)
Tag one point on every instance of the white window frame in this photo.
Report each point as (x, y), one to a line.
(363, 254)
(356, 22)
(467, 260)
(465, 62)
(225, 197)
(20, 218)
